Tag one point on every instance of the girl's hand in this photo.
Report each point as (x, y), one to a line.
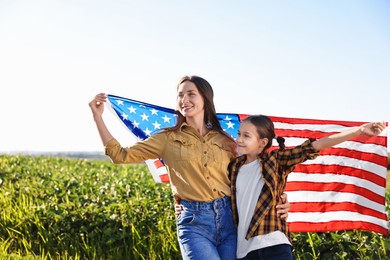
(178, 209)
(373, 129)
(282, 209)
(97, 104)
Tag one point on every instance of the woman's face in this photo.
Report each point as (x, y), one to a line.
(189, 101)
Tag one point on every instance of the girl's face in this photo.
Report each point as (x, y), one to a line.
(248, 140)
(189, 101)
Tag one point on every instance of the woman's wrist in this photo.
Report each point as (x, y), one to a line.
(97, 117)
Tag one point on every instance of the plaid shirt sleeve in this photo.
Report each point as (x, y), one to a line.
(287, 159)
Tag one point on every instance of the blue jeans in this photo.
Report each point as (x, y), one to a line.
(277, 252)
(206, 230)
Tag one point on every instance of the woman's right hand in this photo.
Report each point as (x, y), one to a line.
(97, 107)
(97, 104)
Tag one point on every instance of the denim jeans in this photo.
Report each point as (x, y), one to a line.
(277, 252)
(206, 230)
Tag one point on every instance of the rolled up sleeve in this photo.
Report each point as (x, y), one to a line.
(150, 148)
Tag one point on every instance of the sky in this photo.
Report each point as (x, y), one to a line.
(302, 59)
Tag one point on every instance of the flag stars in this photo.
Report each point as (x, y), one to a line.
(154, 111)
(145, 117)
(166, 119)
(120, 102)
(156, 125)
(230, 125)
(132, 109)
(124, 116)
(135, 124)
(147, 132)
(227, 118)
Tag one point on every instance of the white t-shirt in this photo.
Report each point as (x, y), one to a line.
(248, 187)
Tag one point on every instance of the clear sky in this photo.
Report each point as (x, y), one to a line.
(305, 59)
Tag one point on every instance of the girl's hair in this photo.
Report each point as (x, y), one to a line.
(265, 129)
(210, 115)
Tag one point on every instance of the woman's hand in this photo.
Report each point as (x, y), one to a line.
(97, 107)
(282, 209)
(97, 104)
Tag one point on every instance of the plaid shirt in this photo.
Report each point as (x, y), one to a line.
(275, 167)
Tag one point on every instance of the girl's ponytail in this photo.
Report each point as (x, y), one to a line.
(280, 141)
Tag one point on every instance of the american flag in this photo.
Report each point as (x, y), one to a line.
(342, 189)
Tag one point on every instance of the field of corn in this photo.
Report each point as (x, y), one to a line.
(60, 208)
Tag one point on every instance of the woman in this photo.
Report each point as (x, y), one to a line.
(196, 152)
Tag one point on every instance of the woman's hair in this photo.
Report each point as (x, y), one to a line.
(206, 91)
(265, 129)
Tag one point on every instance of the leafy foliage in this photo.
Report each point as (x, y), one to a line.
(58, 208)
(84, 209)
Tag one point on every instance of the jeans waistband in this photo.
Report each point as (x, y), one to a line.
(214, 204)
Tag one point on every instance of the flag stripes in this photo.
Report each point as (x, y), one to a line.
(334, 186)
(298, 177)
(335, 169)
(343, 188)
(337, 225)
(334, 206)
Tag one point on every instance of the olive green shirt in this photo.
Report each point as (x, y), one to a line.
(197, 166)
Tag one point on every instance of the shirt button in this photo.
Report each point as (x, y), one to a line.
(205, 152)
(214, 190)
(208, 177)
(204, 141)
(205, 165)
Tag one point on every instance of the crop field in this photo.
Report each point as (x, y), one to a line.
(69, 208)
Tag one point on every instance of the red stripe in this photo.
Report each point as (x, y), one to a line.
(344, 170)
(307, 121)
(336, 226)
(378, 140)
(243, 116)
(314, 121)
(334, 206)
(334, 186)
(158, 164)
(164, 177)
(362, 156)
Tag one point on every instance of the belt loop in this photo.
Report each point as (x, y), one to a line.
(218, 203)
(225, 201)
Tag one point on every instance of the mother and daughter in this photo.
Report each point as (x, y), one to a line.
(230, 206)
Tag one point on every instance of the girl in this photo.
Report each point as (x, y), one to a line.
(196, 152)
(258, 178)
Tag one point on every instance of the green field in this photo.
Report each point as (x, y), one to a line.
(59, 208)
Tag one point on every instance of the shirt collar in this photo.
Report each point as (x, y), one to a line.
(184, 125)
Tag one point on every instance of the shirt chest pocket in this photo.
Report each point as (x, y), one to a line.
(220, 153)
(186, 150)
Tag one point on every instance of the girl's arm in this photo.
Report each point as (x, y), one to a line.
(370, 129)
(97, 107)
